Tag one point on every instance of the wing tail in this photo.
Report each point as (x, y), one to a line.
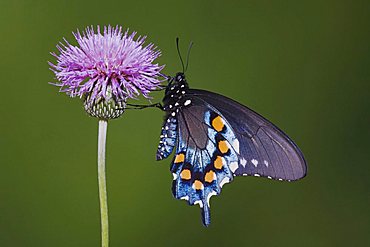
(206, 214)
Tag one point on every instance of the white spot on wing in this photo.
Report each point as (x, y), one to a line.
(266, 163)
(187, 102)
(233, 166)
(257, 175)
(224, 181)
(236, 145)
(173, 114)
(213, 193)
(243, 162)
(174, 176)
(254, 162)
(186, 198)
(199, 202)
(269, 177)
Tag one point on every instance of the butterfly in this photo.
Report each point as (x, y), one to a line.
(216, 138)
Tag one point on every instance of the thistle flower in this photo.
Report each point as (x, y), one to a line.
(106, 68)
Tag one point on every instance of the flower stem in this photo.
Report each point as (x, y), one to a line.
(102, 182)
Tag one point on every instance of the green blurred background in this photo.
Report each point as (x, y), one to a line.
(303, 64)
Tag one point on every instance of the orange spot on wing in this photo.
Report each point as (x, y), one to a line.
(185, 174)
(218, 123)
(198, 185)
(209, 177)
(179, 158)
(223, 146)
(218, 163)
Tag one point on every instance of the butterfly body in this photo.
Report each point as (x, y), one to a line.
(215, 139)
(173, 101)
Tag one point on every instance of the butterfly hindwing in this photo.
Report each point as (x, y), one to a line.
(264, 149)
(201, 165)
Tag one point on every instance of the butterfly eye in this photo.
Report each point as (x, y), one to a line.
(180, 77)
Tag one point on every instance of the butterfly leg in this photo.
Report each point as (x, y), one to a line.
(139, 107)
(158, 89)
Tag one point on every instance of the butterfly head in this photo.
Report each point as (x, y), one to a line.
(175, 90)
(176, 84)
(180, 77)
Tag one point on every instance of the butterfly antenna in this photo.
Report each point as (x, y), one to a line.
(188, 55)
(178, 51)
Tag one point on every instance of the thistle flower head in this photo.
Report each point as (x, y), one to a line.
(105, 65)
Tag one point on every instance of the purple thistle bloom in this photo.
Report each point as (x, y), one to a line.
(107, 64)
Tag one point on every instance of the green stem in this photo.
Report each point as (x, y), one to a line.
(102, 182)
